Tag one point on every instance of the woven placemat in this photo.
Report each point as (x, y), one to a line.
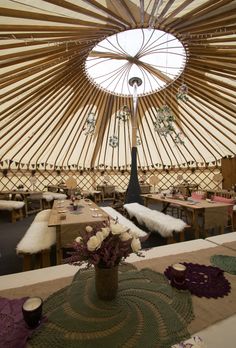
(225, 262)
(146, 312)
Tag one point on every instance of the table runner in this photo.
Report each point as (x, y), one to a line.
(146, 311)
(225, 263)
(215, 216)
(207, 311)
(230, 245)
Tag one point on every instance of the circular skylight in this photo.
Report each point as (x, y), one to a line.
(157, 57)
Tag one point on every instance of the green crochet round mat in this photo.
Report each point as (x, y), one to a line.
(224, 262)
(146, 312)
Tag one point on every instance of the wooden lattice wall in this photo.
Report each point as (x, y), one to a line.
(204, 177)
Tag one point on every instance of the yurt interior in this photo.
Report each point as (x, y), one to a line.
(118, 173)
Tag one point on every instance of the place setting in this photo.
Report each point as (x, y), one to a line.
(96, 215)
(200, 280)
(19, 319)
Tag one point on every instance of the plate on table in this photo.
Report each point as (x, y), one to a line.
(96, 215)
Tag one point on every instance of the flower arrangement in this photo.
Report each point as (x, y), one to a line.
(105, 245)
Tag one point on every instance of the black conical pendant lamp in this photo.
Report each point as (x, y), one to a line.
(133, 194)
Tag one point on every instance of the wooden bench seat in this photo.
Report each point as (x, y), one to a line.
(37, 242)
(154, 221)
(14, 207)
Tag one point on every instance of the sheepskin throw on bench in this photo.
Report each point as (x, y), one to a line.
(154, 220)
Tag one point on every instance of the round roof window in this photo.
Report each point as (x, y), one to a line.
(157, 57)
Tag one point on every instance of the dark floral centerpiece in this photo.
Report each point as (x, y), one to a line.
(105, 247)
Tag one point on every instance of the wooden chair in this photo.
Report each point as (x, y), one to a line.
(225, 194)
(34, 203)
(108, 192)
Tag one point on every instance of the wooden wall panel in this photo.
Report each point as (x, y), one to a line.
(228, 172)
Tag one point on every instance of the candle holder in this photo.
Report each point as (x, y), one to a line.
(63, 216)
(75, 206)
(32, 311)
(178, 271)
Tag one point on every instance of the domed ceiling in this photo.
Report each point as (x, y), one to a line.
(66, 100)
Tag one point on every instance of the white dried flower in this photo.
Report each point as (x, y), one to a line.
(100, 235)
(125, 236)
(105, 231)
(118, 229)
(78, 239)
(135, 245)
(88, 229)
(93, 243)
(134, 234)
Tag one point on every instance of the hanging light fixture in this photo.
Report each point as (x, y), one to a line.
(138, 141)
(164, 121)
(123, 114)
(179, 138)
(182, 92)
(113, 141)
(164, 124)
(90, 124)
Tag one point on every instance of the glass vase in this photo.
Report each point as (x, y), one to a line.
(106, 282)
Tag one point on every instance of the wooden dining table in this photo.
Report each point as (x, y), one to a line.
(213, 213)
(70, 222)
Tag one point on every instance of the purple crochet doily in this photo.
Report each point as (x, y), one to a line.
(13, 329)
(202, 281)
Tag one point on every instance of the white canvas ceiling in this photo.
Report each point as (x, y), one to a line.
(47, 95)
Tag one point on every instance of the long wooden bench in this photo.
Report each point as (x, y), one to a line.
(154, 221)
(15, 209)
(36, 244)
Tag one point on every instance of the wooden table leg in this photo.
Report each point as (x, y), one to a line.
(165, 206)
(145, 201)
(195, 224)
(58, 245)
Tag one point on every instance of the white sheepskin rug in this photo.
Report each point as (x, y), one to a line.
(124, 221)
(43, 215)
(55, 195)
(154, 220)
(10, 205)
(38, 237)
